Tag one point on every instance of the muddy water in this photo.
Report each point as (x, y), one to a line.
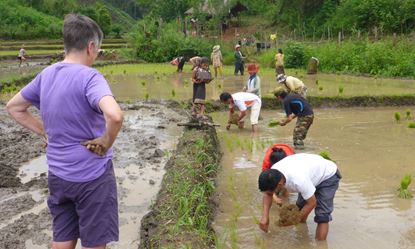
(372, 151)
(130, 86)
(148, 136)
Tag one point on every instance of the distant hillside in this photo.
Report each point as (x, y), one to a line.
(33, 19)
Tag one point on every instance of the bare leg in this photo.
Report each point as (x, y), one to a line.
(254, 128)
(64, 245)
(322, 231)
(98, 247)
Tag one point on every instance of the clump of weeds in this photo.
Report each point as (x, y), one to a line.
(408, 114)
(341, 90)
(403, 191)
(397, 117)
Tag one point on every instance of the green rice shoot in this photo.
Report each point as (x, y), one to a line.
(403, 191)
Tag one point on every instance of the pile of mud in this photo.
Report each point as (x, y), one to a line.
(289, 215)
(17, 146)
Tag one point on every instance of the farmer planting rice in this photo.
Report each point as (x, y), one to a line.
(80, 122)
(243, 101)
(296, 106)
(314, 178)
(292, 84)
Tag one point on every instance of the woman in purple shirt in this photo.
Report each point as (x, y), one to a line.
(80, 120)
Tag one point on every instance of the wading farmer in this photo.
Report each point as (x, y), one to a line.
(243, 101)
(80, 120)
(314, 178)
(296, 106)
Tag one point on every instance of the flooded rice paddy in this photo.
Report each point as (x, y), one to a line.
(372, 151)
(158, 81)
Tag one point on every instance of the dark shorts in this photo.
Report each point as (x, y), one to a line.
(325, 192)
(199, 93)
(86, 210)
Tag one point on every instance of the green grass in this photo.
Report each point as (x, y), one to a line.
(183, 206)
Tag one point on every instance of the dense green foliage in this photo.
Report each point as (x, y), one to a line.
(384, 57)
(160, 44)
(23, 19)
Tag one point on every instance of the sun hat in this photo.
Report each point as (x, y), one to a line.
(281, 78)
(216, 48)
(279, 91)
(252, 67)
(237, 46)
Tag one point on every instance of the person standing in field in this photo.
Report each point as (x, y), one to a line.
(239, 60)
(279, 62)
(200, 77)
(292, 84)
(22, 56)
(253, 85)
(314, 178)
(80, 121)
(296, 106)
(242, 101)
(217, 60)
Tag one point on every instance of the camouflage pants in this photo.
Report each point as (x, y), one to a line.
(301, 129)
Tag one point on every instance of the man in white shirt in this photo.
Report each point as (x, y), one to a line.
(314, 178)
(243, 101)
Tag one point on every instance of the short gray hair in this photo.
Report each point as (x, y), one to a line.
(78, 31)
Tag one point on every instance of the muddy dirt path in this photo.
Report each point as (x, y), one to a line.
(148, 136)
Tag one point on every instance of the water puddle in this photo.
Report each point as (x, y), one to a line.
(33, 169)
(372, 151)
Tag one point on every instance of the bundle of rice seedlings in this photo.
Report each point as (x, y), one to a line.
(403, 191)
(273, 123)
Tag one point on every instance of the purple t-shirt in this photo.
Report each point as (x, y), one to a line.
(68, 96)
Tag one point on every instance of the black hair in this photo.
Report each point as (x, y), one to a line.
(281, 94)
(204, 60)
(268, 180)
(276, 155)
(225, 96)
(280, 51)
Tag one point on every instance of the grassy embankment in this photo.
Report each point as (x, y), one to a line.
(183, 210)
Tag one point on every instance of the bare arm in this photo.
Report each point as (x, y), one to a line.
(288, 119)
(113, 119)
(308, 207)
(242, 114)
(17, 108)
(266, 206)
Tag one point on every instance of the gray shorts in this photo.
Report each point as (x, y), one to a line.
(325, 192)
(85, 210)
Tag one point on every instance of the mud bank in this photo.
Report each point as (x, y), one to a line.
(269, 103)
(182, 214)
(148, 136)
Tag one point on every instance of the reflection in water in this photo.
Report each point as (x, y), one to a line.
(372, 151)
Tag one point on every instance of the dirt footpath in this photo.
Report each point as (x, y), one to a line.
(148, 136)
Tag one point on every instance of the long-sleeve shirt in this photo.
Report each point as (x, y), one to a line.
(238, 57)
(293, 84)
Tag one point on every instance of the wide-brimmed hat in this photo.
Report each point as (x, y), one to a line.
(281, 78)
(279, 91)
(216, 48)
(253, 68)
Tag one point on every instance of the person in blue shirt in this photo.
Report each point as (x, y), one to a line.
(296, 106)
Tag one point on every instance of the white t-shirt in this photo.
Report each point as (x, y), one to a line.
(244, 100)
(303, 172)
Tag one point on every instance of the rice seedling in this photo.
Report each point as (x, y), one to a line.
(317, 82)
(325, 154)
(320, 88)
(341, 89)
(112, 72)
(143, 83)
(397, 117)
(408, 114)
(147, 96)
(273, 123)
(403, 191)
(173, 93)
(125, 71)
(219, 86)
(411, 125)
